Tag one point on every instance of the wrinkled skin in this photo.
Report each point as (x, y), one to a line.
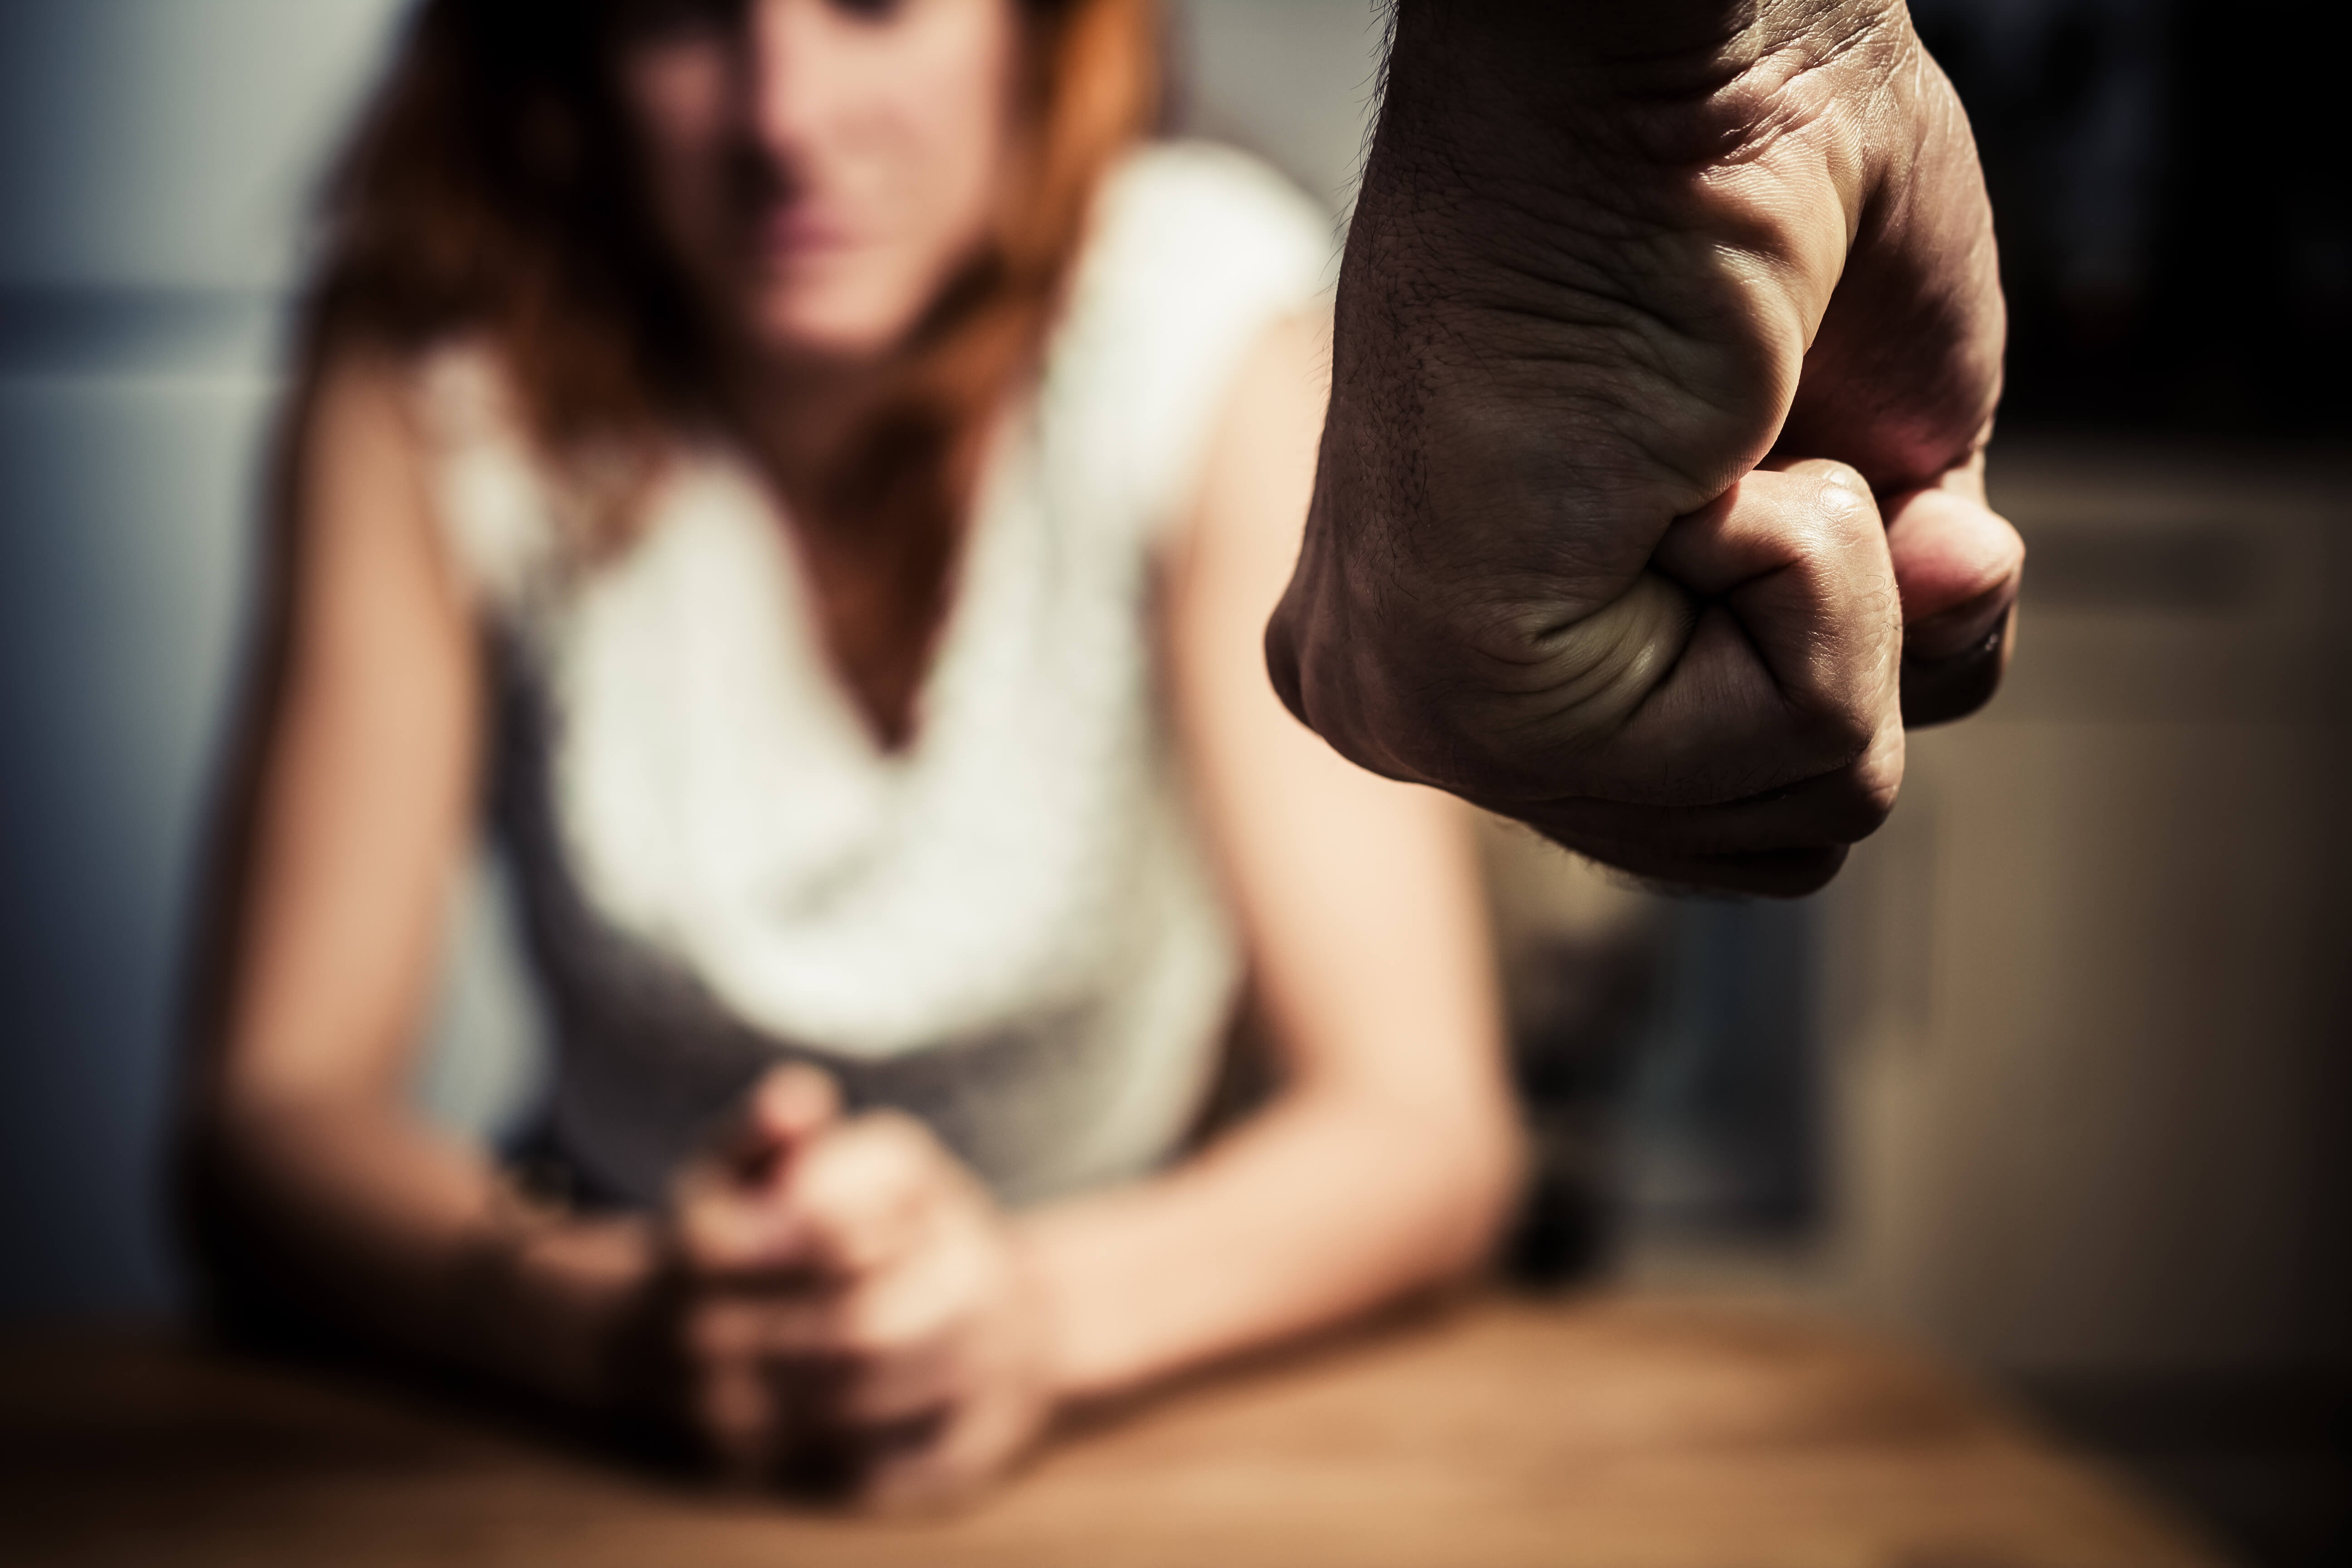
(1650, 504)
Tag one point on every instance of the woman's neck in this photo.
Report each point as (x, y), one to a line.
(877, 596)
(796, 417)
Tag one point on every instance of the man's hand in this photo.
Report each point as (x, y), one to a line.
(856, 1315)
(1668, 341)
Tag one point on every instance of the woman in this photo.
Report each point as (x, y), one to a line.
(822, 485)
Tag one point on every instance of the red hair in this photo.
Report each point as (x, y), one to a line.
(481, 197)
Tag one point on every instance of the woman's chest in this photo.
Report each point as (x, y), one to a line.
(711, 769)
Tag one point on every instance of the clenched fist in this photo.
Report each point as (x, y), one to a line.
(1650, 504)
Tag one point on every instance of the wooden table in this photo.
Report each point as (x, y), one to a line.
(1624, 1433)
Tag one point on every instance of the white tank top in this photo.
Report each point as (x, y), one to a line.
(1010, 927)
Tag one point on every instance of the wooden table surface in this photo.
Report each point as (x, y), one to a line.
(1624, 1433)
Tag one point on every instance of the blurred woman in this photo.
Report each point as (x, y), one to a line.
(815, 481)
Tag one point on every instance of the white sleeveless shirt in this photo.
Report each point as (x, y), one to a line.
(1009, 928)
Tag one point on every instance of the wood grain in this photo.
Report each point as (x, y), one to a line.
(1615, 1433)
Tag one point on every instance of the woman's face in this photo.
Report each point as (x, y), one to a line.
(820, 168)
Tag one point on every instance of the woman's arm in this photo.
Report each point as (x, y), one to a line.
(321, 1188)
(1393, 1153)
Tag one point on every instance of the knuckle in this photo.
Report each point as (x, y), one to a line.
(1845, 507)
(1843, 478)
(1860, 811)
(1854, 773)
(866, 1337)
(882, 1165)
(899, 1134)
(1843, 735)
(1866, 794)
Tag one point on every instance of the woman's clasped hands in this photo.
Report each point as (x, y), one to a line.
(853, 1313)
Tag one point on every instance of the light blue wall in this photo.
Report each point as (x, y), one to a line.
(153, 157)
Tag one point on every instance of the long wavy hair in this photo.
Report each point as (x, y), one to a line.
(489, 191)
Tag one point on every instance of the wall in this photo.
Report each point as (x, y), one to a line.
(154, 156)
(2088, 989)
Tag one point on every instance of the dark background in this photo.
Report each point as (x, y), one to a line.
(2176, 216)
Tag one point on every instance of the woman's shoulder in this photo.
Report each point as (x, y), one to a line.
(493, 497)
(460, 393)
(1201, 223)
(1232, 194)
(1197, 251)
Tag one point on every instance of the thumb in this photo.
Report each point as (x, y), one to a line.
(789, 1108)
(727, 1203)
(1958, 564)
